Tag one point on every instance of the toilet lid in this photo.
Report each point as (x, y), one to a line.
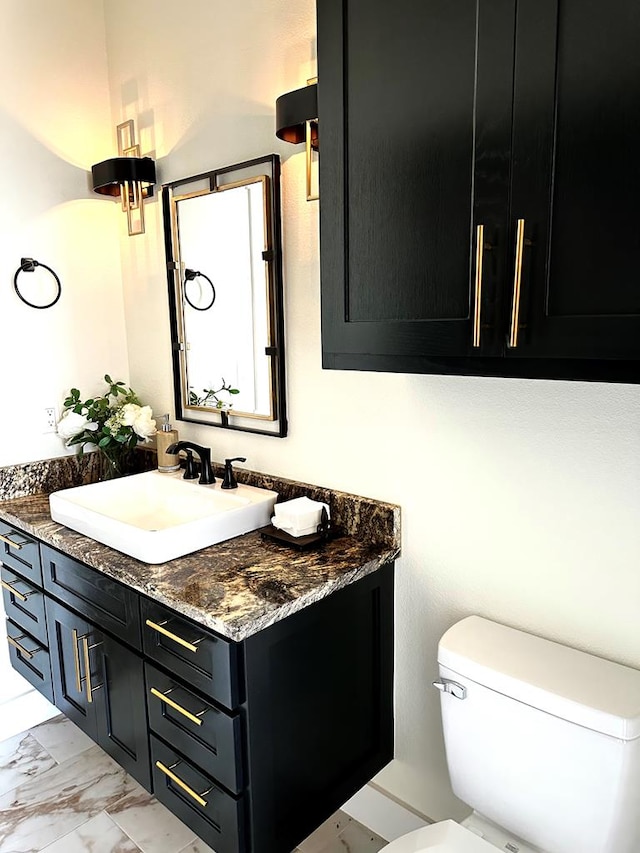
(447, 836)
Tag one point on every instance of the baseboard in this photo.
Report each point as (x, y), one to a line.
(383, 813)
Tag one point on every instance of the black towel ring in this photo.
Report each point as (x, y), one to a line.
(29, 265)
(190, 275)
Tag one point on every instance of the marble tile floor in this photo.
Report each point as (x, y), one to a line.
(60, 793)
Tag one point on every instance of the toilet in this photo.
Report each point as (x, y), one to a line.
(542, 742)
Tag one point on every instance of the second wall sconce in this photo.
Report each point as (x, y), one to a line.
(128, 176)
(297, 121)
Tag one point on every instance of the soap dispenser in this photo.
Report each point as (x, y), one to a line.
(166, 436)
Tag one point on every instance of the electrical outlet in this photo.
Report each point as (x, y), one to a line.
(50, 419)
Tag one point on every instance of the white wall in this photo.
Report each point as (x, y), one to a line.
(54, 123)
(520, 499)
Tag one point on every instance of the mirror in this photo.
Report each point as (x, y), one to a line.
(224, 270)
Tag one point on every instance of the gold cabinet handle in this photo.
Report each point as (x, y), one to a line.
(162, 630)
(76, 659)
(164, 698)
(14, 642)
(90, 689)
(168, 772)
(517, 281)
(478, 287)
(17, 545)
(13, 591)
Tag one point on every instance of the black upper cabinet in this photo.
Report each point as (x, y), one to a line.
(478, 180)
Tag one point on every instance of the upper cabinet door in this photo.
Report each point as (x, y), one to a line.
(576, 179)
(415, 104)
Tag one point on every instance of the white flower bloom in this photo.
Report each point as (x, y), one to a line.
(140, 418)
(127, 414)
(72, 424)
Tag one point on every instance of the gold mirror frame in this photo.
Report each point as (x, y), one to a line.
(261, 179)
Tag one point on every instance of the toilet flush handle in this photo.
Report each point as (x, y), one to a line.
(452, 687)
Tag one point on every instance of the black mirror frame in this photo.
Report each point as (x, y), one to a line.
(277, 351)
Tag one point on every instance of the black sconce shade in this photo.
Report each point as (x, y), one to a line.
(109, 175)
(293, 110)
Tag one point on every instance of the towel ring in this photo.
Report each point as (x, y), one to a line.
(29, 265)
(190, 275)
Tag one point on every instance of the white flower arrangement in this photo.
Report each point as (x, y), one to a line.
(115, 422)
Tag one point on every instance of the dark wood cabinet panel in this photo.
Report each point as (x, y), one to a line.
(200, 657)
(320, 709)
(401, 137)
(478, 187)
(68, 666)
(121, 706)
(203, 733)
(31, 659)
(20, 552)
(99, 684)
(24, 604)
(107, 603)
(576, 179)
(193, 795)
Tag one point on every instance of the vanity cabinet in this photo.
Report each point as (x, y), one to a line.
(254, 743)
(479, 187)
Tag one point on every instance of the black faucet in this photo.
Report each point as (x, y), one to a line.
(230, 481)
(206, 471)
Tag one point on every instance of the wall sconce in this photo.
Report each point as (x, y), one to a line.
(297, 121)
(129, 176)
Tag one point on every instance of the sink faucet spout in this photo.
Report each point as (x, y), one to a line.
(204, 454)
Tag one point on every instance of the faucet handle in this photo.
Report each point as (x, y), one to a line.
(190, 472)
(230, 481)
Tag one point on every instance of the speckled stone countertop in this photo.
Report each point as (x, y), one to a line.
(237, 587)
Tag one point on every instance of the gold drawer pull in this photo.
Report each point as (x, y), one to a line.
(517, 282)
(181, 784)
(174, 637)
(90, 688)
(164, 698)
(21, 648)
(13, 591)
(76, 659)
(478, 289)
(17, 545)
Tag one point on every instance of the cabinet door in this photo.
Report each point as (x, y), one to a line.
(415, 122)
(67, 633)
(576, 178)
(117, 685)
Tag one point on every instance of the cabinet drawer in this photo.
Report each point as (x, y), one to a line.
(24, 604)
(107, 603)
(203, 733)
(30, 659)
(197, 656)
(20, 552)
(217, 817)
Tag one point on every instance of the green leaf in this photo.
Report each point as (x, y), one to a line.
(234, 391)
(104, 441)
(108, 379)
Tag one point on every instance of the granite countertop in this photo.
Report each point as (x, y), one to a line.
(241, 586)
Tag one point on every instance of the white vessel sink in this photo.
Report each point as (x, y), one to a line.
(156, 517)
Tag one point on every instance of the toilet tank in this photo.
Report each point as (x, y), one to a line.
(546, 741)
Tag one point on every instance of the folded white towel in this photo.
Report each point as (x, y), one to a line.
(298, 517)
